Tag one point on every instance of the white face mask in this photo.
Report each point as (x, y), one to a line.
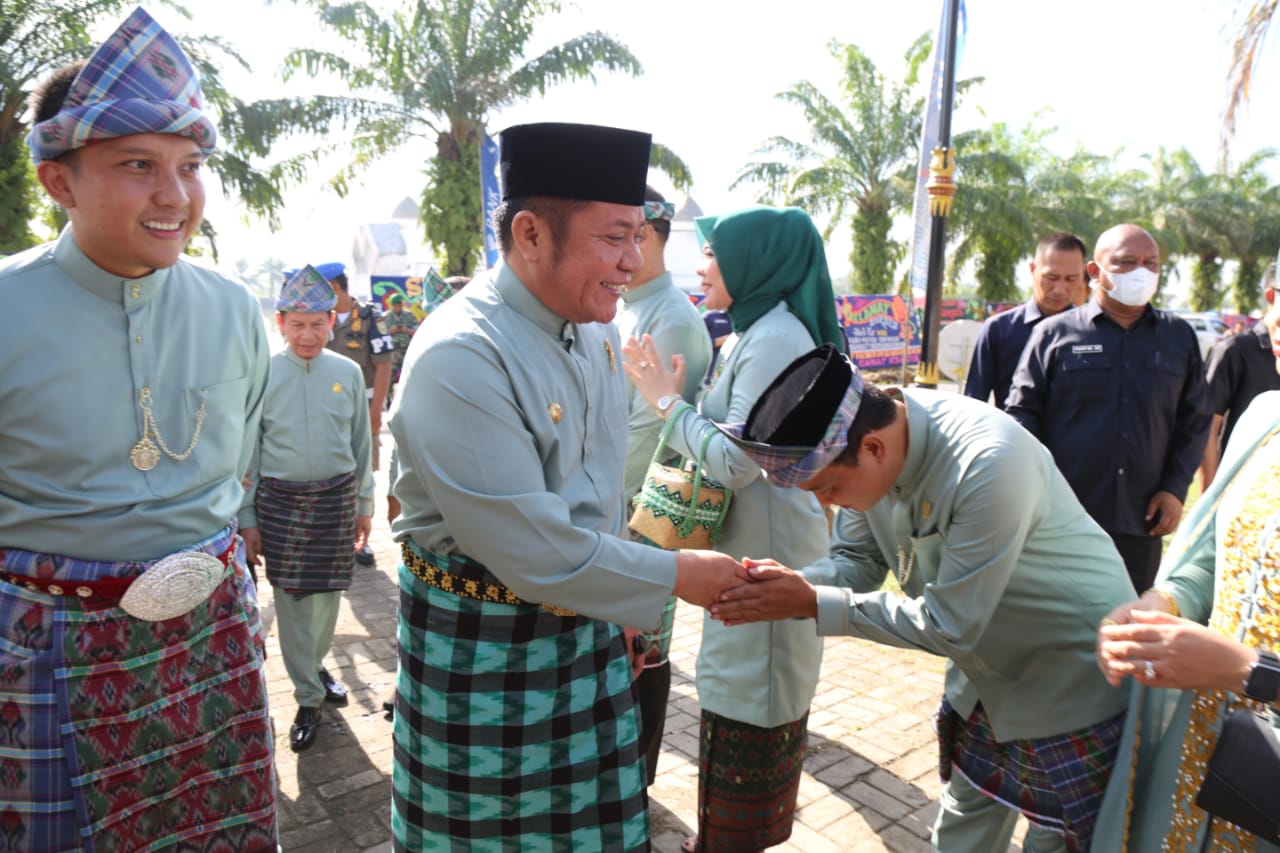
(1134, 288)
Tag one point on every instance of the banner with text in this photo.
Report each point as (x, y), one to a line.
(879, 330)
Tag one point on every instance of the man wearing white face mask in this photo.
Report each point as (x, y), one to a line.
(1115, 389)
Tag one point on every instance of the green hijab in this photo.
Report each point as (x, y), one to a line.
(769, 255)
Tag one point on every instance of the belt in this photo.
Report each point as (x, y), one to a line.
(482, 586)
(179, 580)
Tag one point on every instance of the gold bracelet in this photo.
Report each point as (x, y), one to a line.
(1169, 600)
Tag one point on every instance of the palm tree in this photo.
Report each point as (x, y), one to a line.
(39, 37)
(1252, 222)
(433, 70)
(1255, 18)
(859, 159)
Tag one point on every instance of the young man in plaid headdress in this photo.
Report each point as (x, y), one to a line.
(1001, 571)
(310, 505)
(135, 709)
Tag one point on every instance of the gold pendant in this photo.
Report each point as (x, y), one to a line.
(144, 454)
(556, 411)
(613, 361)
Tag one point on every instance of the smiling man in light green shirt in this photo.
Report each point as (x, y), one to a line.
(130, 643)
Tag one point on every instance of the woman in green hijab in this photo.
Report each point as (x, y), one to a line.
(767, 268)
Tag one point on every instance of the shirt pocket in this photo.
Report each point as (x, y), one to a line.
(1166, 373)
(226, 412)
(1087, 374)
(926, 553)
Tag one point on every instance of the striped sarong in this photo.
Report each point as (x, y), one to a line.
(748, 779)
(308, 531)
(1057, 782)
(121, 734)
(515, 728)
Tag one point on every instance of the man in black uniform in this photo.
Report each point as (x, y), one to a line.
(1240, 368)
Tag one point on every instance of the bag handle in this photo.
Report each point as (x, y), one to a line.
(686, 526)
(666, 432)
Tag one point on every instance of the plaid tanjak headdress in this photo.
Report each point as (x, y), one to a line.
(137, 81)
(307, 292)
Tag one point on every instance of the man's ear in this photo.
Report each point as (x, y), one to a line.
(873, 446)
(1270, 295)
(1091, 269)
(530, 235)
(54, 177)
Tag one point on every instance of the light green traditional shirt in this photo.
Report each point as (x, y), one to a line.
(315, 426)
(509, 433)
(661, 310)
(1004, 572)
(70, 414)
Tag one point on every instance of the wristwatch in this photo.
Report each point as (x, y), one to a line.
(666, 401)
(1263, 683)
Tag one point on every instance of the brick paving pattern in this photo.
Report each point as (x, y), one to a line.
(870, 780)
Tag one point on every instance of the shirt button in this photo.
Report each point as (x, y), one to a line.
(134, 290)
(138, 339)
(146, 389)
(1121, 472)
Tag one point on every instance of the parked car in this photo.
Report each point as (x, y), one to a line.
(1209, 329)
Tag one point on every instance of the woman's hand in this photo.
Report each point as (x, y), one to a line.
(1160, 650)
(646, 371)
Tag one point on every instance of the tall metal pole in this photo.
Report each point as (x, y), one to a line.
(941, 188)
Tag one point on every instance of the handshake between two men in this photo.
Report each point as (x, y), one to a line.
(739, 592)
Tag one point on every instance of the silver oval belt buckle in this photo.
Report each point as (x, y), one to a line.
(172, 586)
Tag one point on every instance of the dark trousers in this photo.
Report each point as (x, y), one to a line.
(652, 687)
(1141, 555)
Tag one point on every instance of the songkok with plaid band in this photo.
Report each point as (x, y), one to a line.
(576, 161)
(137, 81)
(307, 292)
(801, 422)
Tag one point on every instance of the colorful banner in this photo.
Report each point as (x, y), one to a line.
(879, 329)
(490, 197)
(423, 294)
(957, 309)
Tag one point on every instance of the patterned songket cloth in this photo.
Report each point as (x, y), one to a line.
(1249, 582)
(307, 531)
(548, 756)
(137, 81)
(748, 780)
(1057, 782)
(121, 734)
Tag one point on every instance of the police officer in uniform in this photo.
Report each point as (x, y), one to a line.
(360, 334)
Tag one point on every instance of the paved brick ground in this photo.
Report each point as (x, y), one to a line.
(870, 780)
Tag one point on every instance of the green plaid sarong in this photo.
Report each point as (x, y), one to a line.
(515, 729)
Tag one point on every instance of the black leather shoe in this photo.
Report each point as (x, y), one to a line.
(303, 731)
(365, 556)
(333, 691)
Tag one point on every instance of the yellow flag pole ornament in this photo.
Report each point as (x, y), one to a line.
(942, 184)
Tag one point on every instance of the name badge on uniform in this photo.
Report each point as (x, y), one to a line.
(1085, 349)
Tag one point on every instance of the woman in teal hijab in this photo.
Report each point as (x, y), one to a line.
(767, 268)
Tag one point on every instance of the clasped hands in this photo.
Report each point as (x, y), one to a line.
(736, 592)
(1143, 640)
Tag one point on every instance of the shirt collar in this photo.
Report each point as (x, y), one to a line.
(1031, 312)
(296, 359)
(1263, 334)
(516, 294)
(651, 288)
(917, 441)
(1093, 309)
(93, 278)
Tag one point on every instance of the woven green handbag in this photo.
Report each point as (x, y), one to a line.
(678, 507)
